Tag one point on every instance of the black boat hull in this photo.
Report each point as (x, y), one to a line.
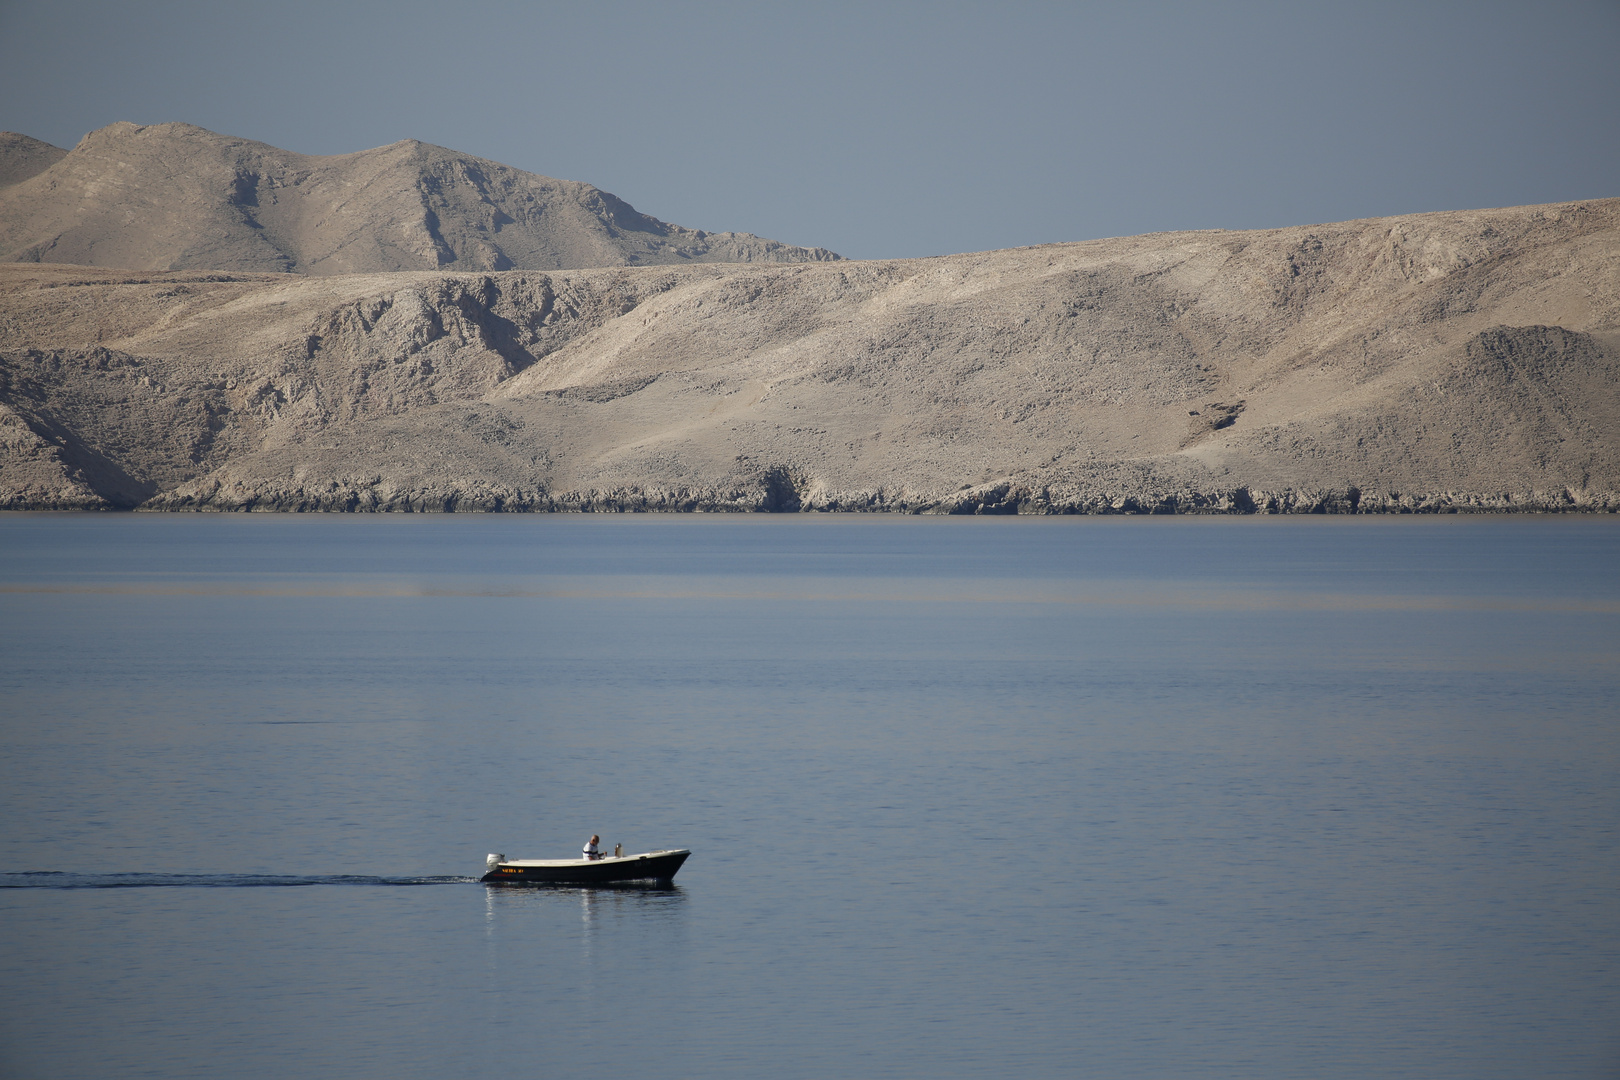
(656, 866)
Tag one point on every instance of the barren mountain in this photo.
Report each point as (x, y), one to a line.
(22, 157)
(1439, 361)
(177, 197)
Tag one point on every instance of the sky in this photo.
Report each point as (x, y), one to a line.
(884, 130)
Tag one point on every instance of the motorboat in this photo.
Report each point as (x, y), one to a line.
(651, 866)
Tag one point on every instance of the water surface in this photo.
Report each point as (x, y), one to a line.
(1047, 798)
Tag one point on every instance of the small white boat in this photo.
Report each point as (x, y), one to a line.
(650, 866)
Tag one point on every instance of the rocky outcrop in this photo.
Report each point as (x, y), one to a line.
(1464, 362)
(174, 196)
(765, 497)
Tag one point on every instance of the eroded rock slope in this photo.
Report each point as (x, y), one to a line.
(1442, 361)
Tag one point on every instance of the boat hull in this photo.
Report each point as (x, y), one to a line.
(653, 866)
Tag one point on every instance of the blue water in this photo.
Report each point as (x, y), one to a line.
(1037, 798)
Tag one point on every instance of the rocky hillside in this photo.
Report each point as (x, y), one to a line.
(22, 157)
(177, 197)
(1441, 361)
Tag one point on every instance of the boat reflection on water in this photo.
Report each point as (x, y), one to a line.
(515, 911)
(643, 897)
(628, 890)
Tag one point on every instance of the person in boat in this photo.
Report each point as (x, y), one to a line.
(592, 853)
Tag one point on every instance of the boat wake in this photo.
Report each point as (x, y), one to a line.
(57, 879)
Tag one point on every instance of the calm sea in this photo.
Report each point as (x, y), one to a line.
(966, 798)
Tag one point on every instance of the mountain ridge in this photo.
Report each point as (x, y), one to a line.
(179, 197)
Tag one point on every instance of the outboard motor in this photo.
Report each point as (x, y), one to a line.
(492, 861)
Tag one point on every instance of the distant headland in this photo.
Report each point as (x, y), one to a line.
(190, 321)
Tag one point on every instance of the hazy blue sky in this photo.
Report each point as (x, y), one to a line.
(885, 129)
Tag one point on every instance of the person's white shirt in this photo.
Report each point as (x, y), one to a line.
(591, 851)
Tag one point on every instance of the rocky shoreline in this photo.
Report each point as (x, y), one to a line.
(986, 500)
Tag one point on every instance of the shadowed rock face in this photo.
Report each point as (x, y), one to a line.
(1448, 361)
(22, 157)
(177, 197)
